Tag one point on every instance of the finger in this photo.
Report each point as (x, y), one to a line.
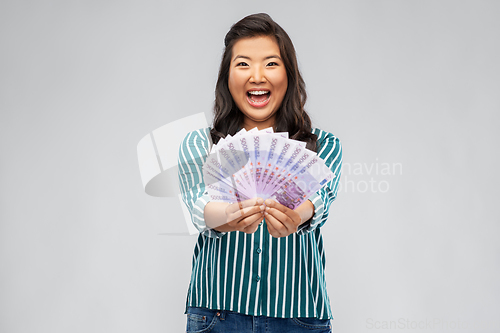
(286, 220)
(275, 227)
(251, 223)
(240, 205)
(245, 212)
(247, 203)
(277, 205)
(243, 208)
(271, 229)
(241, 214)
(250, 229)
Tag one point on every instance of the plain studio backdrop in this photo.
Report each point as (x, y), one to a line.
(411, 88)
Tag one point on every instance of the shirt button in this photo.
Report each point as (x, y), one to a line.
(257, 278)
(259, 250)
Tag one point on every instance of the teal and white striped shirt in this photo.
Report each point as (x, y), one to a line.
(257, 274)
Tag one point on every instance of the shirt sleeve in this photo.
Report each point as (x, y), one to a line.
(193, 153)
(330, 151)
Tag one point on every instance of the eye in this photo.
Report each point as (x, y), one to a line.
(272, 63)
(241, 64)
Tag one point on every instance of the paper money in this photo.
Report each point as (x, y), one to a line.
(263, 164)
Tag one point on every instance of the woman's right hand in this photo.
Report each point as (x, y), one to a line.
(244, 216)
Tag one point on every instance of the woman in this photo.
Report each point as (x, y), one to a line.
(258, 266)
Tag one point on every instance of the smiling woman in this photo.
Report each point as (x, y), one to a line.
(258, 265)
(257, 80)
(250, 34)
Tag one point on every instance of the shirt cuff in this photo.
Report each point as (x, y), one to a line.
(314, 221)
(199, 218)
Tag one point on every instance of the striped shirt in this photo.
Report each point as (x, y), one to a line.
(257, 274)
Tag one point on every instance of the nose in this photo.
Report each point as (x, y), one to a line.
(257, 75)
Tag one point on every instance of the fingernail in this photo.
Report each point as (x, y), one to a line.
(262, 207)
(267, 208)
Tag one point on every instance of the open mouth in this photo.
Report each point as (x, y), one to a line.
(258, 98)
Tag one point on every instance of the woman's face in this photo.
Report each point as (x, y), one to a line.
(257, 80)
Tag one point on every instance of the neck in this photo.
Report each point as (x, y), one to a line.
(248, 125)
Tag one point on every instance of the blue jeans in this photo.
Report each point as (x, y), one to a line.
(201, 320)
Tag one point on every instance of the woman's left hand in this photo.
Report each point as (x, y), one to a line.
(282, 221)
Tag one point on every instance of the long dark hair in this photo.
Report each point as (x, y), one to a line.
(291, 116)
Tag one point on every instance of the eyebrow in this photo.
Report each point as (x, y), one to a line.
(248, 58)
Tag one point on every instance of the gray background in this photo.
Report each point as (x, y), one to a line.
(407, 84)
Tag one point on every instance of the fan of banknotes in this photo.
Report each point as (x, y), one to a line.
(263, 164)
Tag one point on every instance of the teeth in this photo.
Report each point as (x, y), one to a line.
(258, 92)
